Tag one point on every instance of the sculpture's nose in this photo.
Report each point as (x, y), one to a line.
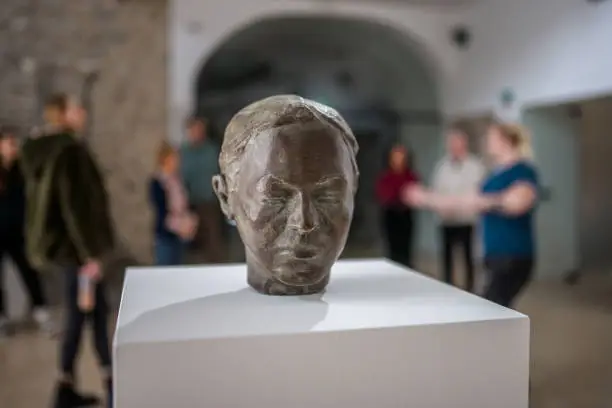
(303, 217)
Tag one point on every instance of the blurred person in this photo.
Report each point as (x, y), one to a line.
(12, 240)
(174, 223)
(458, 173)
(68, 225)
(199, 163)
(507, 203)
(397, 216)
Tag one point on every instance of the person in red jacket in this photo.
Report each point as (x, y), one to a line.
(397, 217)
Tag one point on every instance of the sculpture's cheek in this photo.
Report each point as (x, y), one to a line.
(260, 232)
(339, 217)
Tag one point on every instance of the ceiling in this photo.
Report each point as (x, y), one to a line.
(305, 55)
(305, 38)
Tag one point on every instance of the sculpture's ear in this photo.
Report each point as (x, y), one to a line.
(220, 187)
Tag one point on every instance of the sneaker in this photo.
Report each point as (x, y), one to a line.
(43, 320)
(67, 397)
(85, 400)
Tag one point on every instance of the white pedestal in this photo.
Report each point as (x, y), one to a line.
(380, 337)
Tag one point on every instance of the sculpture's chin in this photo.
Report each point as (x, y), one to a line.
(288, 277)
(300, 275)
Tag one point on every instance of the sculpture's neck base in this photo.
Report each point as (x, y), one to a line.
(266, 285)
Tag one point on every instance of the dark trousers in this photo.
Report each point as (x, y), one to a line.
(507, 277)
(458, 237)
(75, 322)
(398, 226)
(169, 250)
(13, 245)
(209, 242)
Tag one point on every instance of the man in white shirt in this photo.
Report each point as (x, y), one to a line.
(458, 173)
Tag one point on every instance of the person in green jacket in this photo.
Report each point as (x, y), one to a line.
(68, 225)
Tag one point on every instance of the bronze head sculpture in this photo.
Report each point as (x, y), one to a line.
(288, 180)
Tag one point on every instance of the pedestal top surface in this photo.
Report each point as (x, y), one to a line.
(162, 304)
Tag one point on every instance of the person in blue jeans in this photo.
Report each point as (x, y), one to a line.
(174, 224)
(507, 202)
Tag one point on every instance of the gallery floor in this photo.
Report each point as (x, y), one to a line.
(571, 353)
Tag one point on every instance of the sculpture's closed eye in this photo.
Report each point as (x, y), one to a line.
(331, 191)
(275, 192)
(276, 201)
(329, 198)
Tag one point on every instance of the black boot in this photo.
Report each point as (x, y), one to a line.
(67, 397)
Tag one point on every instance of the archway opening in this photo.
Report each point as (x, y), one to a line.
(374, 75)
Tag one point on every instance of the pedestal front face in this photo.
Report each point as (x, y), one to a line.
(379, 337)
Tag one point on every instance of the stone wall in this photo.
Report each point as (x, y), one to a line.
(112, 54)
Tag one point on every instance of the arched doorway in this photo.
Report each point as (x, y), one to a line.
(372, 74)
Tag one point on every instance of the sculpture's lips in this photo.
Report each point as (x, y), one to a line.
(300, 254)
(299, 266)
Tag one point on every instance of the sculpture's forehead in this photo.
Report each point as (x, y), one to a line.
(299, 153)
(281, 110)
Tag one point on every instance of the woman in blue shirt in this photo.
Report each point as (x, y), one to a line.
(174, 223)
(506, 201)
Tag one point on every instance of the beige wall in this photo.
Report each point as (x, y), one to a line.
(595, 189)
(555, 144)
(573, 152)
(129, 113)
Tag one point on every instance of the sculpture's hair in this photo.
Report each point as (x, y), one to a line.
(270, 114)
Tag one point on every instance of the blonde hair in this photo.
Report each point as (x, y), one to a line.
(518, 137)
(164, 151)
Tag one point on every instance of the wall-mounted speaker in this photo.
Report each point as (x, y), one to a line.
(461, 37)
(344, 79)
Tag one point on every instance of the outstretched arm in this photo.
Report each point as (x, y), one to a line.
(516, 200)
(473, 203)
